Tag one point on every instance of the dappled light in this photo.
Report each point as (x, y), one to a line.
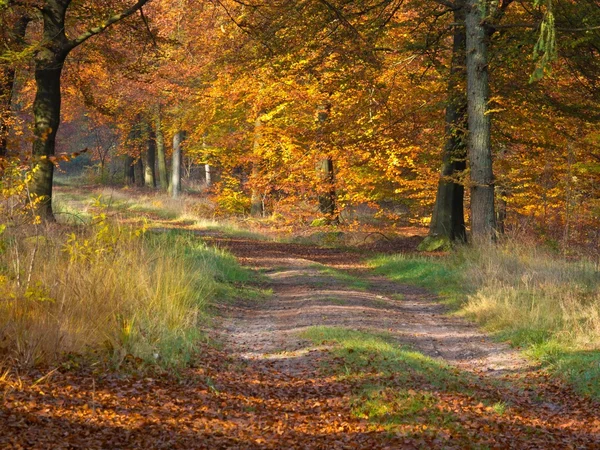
(299, 224)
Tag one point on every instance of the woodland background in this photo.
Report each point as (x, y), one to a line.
(302, 110)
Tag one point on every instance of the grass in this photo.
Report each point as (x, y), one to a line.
(547, 306)
(111, 291)
(397, 387)
(350, 281)
(438, 275)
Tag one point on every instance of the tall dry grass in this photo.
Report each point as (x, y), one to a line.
(105, 289)
(533, 294)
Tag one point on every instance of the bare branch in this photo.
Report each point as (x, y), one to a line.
(110, 21)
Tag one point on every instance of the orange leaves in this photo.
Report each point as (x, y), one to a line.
(63, 157)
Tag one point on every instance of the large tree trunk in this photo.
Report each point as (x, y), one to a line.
(483, 217)
(178, 139)
(49, 60)
(150, 160)
(256, 203)
(448, 219)
(160, 151)
(325, 172)
(46, 112)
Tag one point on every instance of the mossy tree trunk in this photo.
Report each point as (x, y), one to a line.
(448, 219)
(483, 217)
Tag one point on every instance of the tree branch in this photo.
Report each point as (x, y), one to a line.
(100, 28)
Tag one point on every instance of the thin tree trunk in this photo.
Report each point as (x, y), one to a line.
(139, 171)
(207, 175)
(160, 151)
(7, 80)
(483, 217)
(178, 139)
(325, 172)
(256, 204)
(448, 219)
(129, 171)
(150, 160)
(501, 209)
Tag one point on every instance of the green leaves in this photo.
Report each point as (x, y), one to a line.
(545, 50)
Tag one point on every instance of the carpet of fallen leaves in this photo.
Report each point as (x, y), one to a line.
(230, 404)
(226, 402)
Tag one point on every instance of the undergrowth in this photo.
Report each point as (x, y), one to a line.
(547, 306)
(108, 290)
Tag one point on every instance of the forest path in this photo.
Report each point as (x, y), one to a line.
(500, 401)
(314, 286)
(270, 388)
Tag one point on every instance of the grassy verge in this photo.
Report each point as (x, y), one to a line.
(547, 306)
(110, 292)
(402, 390)
(348, 280)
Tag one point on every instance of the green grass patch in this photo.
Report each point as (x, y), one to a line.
(438, 275)
(396, 385)
(350, 281)
(530, 298)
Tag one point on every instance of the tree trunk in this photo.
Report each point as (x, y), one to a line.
(6, 92)
(49, 60)
(129, 171)
(325, 172)
(138, 167)
(448, 219)
(207, 175)
(150, 160)
(7, 79)
(256, 203)
(483, 217)
(46, 112)
(178, 139)
(160, 151)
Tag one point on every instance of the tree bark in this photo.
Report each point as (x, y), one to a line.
(256, 203)
(49, 61)
(138, 168)
(178, 139)
(46, 112)
(129, 171)
(16, 37)
(483, 217)
(207, 175)
(325, 172)
(448, 219)
(150, 160)
(160, 151)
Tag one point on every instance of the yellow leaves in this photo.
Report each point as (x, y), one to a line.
(62, 157)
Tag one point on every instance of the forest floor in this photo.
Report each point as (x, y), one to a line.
(335, 358)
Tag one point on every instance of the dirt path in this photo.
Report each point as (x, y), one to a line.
(270, 389)
(306, 294)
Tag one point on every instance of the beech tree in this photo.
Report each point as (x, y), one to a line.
(49, 59)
